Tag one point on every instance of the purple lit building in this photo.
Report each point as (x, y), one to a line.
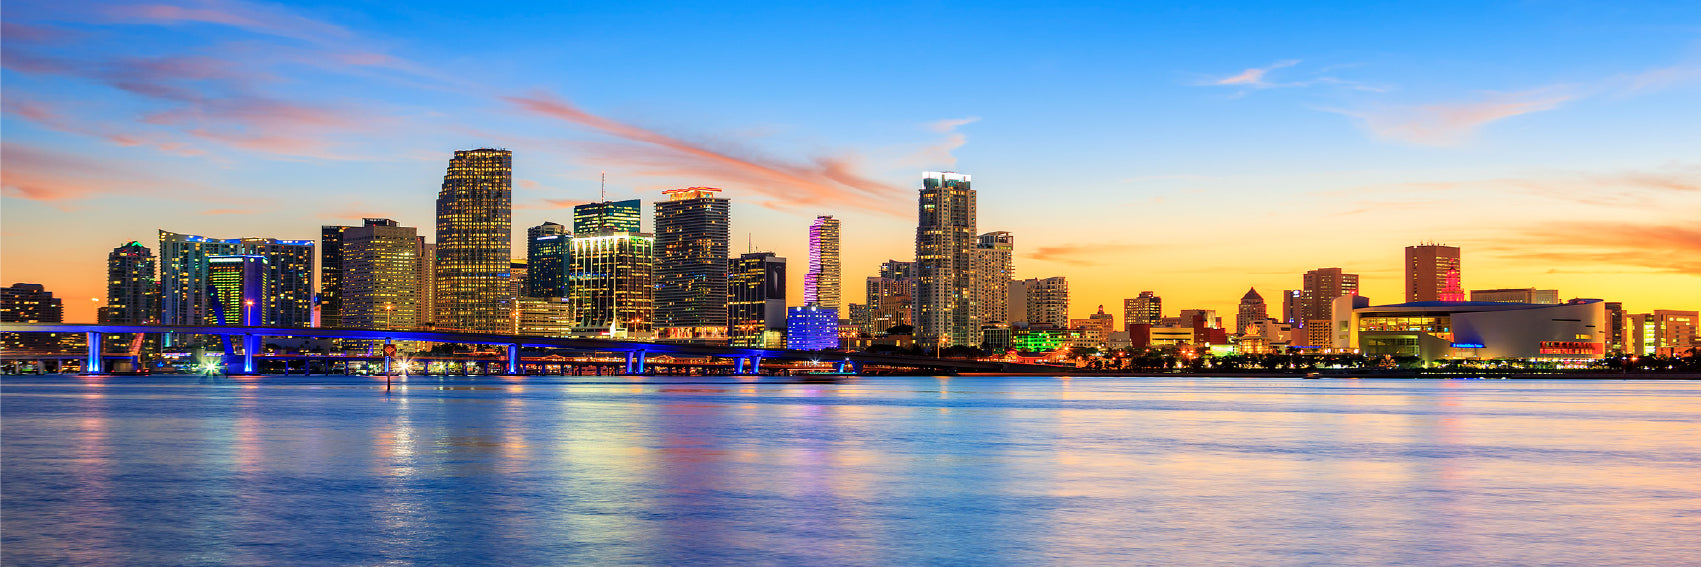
(812, 327)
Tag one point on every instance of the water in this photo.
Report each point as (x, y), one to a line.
(876, 471)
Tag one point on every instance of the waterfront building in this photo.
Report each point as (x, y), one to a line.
(132, 286)
(380, 276)
(1291, 307)
(821, 282)
(1664, 332)
(812, 327)
(1526, 295)
(992, 271)
(1045, 301)
(183, 278)
(692, 239)
(426, 277)
(620, 216)
(610, 284)
(1320, 287)
(329, 300)
(890, 296)
(1251, 310)
(1433, 273)
(546, 316)
(240, 284)
(756, 302)
(546, 260)
(945, 235)
(518, 274)
(1434, 330)
(1615, 327)
(474, 242)
(1146, 308)
(30, 303)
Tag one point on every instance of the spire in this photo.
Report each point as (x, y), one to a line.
(1252, 295)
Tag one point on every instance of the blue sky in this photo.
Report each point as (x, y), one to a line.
(1193, 151)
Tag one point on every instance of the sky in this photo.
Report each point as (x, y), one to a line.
(1191, 150)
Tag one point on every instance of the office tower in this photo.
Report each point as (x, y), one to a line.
(132, 288)
(239, 282)
(1526, 295)
(29, 303)
(330, 298)
(621, 216)
(945, 235)
(1291, 307)
(991, 273)
(518, 274)
(426, 276)
(183, 278)
(821, 282)
(812, 327)
(546, 260)
(1145, 309)
(1045, 301)
(610, 283)
(1433, 273)
(474, 223)
(1252, 310)
(1320, 287)
(546, 317)
(1615, 327)
(692, 238)
(1664, 332)
(380, 276)
(756, 302)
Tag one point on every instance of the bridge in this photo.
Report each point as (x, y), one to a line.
(744, 360)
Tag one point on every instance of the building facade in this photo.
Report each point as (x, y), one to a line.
(1046, 302)
(812, 327)
(611, 288)
(945, 235)
(30, 303)
(1319, 288)
(756, 302)
(1433, 330)
(183, 277)
(1147, 308)
(1664, 332)
(991, 273)
(1251, 310)
(132, 286)
(1526, 295)
(1433, 273)
(821, 282)
(239, 283)
(380, 276)
(620, 216)
(474, 242)
(692, 239)
(546, 260)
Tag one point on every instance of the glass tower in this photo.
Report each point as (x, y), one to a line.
(611, 287)
(821, 283)
(692, 237)
(622, 216)
(132, 288)
(757, 298)
(546, 260)
(183, 278)
(945, 238)
(474, 220)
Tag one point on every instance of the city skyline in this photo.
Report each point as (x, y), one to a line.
(1575, 173)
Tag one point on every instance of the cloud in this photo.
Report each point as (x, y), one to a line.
(1255, 77)
(253, 17)
(817, 183)
(48, 116)
(226, 212)
(946, 126)
(36, 174)
(553, 204)
(1663, 248)
(1449, 124)
(1081, 254)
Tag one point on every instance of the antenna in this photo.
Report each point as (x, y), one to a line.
(749, 246)
(603, 188)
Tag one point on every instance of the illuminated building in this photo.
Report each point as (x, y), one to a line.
(240, 282)
(1045, 302)
(30, 303)
(1663, 333)
(620, 216)
(1320, 287)
(288, 299)
(330, 297)
(1291, 307)
(1615, 327)
(132, 288)
(756, 302)
(518, 272)
(1039, 340)
(812, 327)
(1144, 309)
(945, 236)
(1526, 295)
(1095, 328)
(610, 284)
(1433, 273)
(546, 260)
(426, 275)
(377, 266)
(890, 296)
(991, 273)
(1206, 318)
(1433, 330)
(546, 316)
(821, 282)
(692, 237)
(474, 223)
(1251, 310)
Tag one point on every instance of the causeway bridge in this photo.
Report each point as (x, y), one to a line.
(743, 360)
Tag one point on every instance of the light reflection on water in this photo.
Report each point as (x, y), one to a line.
(876, 471)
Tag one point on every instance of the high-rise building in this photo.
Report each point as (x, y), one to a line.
(1045, 301)
(183, 278)
(1615, 326)
(1526, 295)
(518, 272)
(991, 274)
(240, 284)
(610, 284)
(620, 216)
(692, 239)
(330, 297)
(945, 237)
(1145, 309)
(1251, 310)
(812, 327)
(474, 242)
(821, 282)
(132, 288)
(381, 270)
(546, 260)
(1291, 305)
(29, 303)
(427, 278)
(756, 302)
(1319, 288)
(1433, 273)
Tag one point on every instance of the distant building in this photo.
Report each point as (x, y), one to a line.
(1319, 288)
(1045, 301)
(546, 316)
(620, 216)
(288, 300)
(29, 303)
(945, 238)
(756, 305)
(1615, 327)
(518, 272)
(1291, 307)
(1664, 332)
(991, 272)
(132, 288)
(240, 284)
(1433, 330)
(821, 282)
(1433, 273)
(377, 267)
(692, 239)
(610, 284)
(475, 242)
(1146, 309)
(1526, 295)
(812, 327)
(1251, 310)
(547, 246)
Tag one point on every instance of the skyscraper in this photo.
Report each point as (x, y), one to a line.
(1319, 288)
(692, 238)
(610, 283)
(1433, 273)
(1046, 302)
(1146, 309)
(546, 260)
(240, 284)
(622, 216)
(945, 236)
(29, 303)
(132, 288)
(1252, 310)
(889, 296)
(756, 305)
(992, 271)
(183, 278)
(821, 283)
(474, 223)
(330, 298)
(380, 276)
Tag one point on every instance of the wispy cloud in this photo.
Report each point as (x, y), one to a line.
(1663, 248)
(226, 212)
(254, 17)
(788, 185)
(1080, 254)
(1255, 76)
(552, 204)
(946, 126)
(37, 174)
(1448, 124)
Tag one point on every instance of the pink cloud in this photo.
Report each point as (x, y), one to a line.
(1449, 124)
(1255, 77)
(1664, 248)
(226, 212)
(253, 17)
(1080, 254)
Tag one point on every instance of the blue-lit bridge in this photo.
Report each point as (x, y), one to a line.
(743, 360)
